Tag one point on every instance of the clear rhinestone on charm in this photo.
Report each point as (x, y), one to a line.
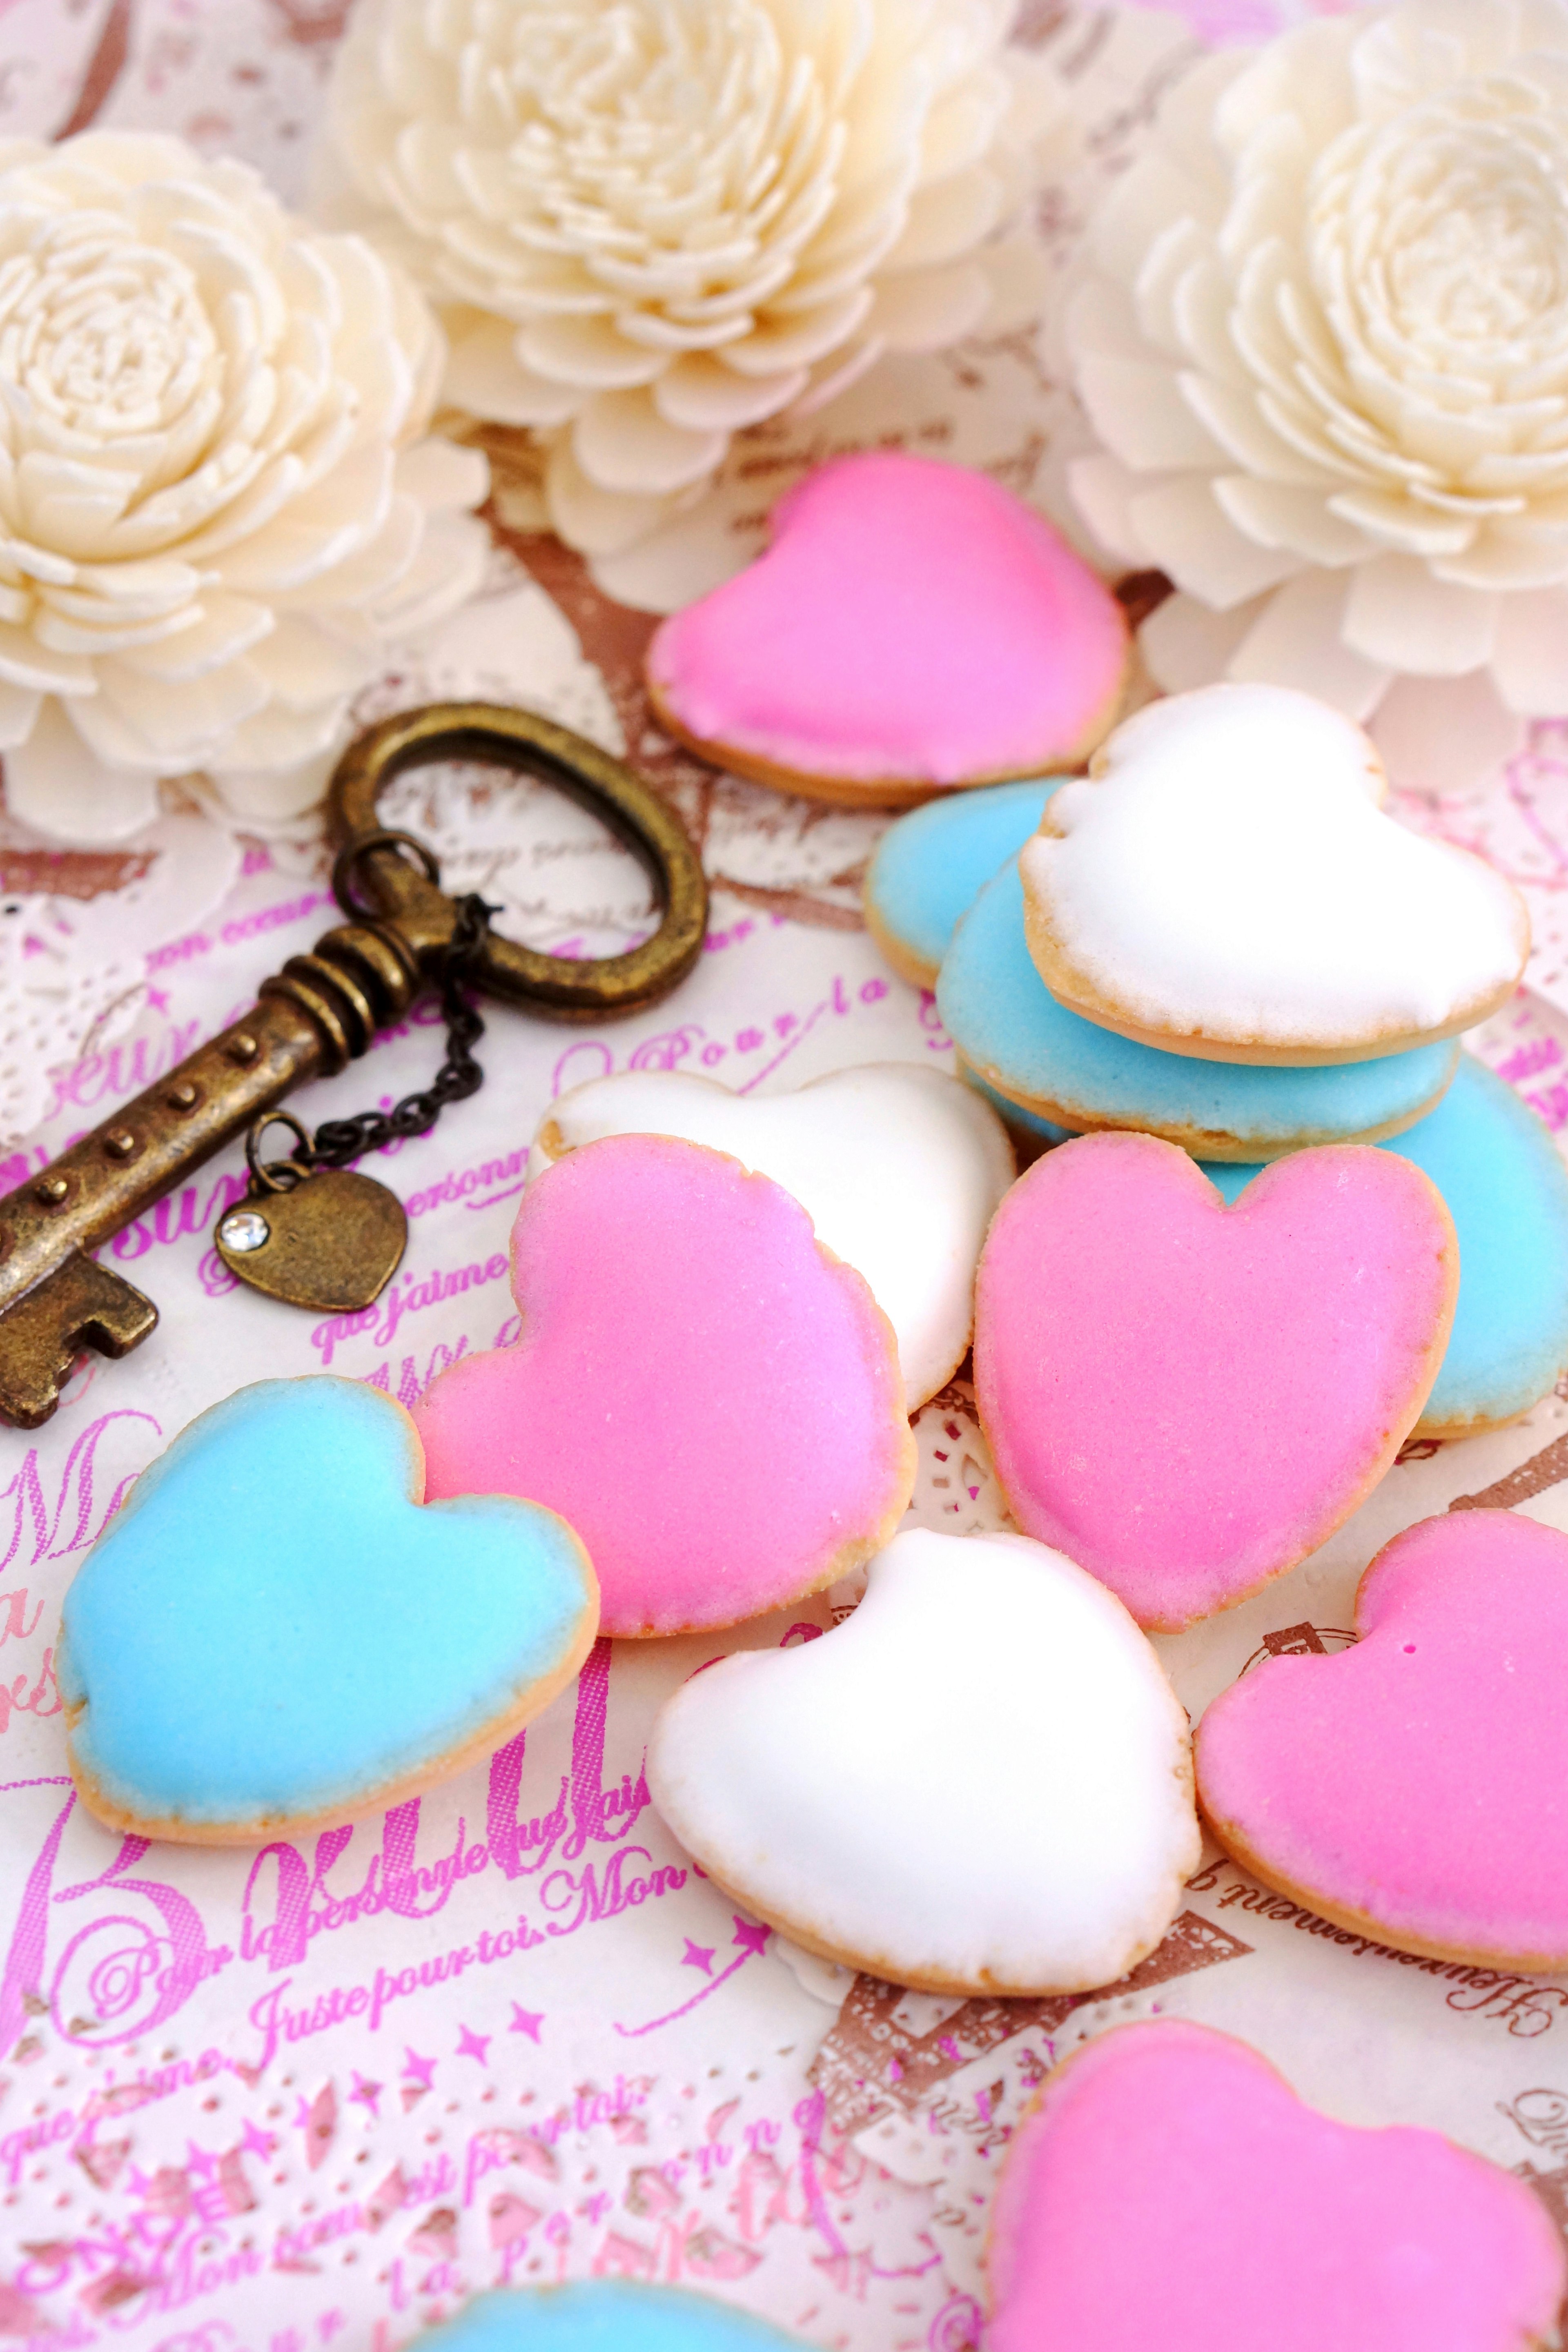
(244, 1231)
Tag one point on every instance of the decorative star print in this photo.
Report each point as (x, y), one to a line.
(303, 2119)
(366, 2093)
(526, 2021)
(199, 2162)
(256, 2143)
(422, 2069)
(472, 2045)
(750, 1939)
(699, 1955)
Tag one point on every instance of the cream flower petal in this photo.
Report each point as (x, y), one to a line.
(1104, 490)
(1398, 614)
(485, 376)
(1444, 734)
(1530, 659)
(1139, 413)
(599, 521)
(278, 795)
(448, 566)
(703, 396)
(56, 782)
(929, 308)
(1298, 640)
(622, 442)
(1188, 535)
(1282, 515)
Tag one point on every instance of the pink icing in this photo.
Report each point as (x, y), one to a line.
(910, 620)
(1417, 1780)
(1171, 2190)
(711, 1404)
(1187, 1398)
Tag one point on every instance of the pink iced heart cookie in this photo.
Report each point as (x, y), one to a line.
(1168, 2187)
(912, 627)
(707, 1396)
(1185, 1398)
(1407, 1787)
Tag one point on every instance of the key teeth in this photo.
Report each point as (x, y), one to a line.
(80, 1305)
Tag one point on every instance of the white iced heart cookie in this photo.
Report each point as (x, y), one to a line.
(899, 1168)
(979, 1783)
(1225, 883)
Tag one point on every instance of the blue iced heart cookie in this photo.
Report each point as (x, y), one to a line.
(272, 1631)
(603, 2315)
(1012, 1033)
(931, 866)
(1507, 1191)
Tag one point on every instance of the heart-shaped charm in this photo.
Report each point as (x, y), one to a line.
(271, 1634)
(710, 1399)
(1014, 1035)
(930, 865)
(862, 1792)
(1225, 883)
(912, 627)
(1506, 1187)
(1168, 2187)
(603, 2314)
(1187, 1398)
(899, 1168)
(1407, 1787)
(330, 1242)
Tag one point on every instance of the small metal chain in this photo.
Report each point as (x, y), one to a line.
(339, 1141)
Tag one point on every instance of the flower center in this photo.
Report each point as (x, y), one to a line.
(647, 129)
(107, 338)
(1474, 222)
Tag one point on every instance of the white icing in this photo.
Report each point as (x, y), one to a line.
(979, 1780)
(1227, 872)
(899, 1168)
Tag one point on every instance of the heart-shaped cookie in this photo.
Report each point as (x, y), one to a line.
(1012, 1033)
(1507, 1191)
(899, 1168)
(1168, 2187)
(602, 2315)
(912, 627)
(1187, 1398)
(930, 865)
(272, 1633)
(710, 1398)
(1225, 883)
(979, 1783)
(1408, 1787)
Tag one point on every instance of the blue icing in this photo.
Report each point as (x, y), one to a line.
(1008, 1026)
(603, 2315)
(270, 1627)
(1507, 1191)
(930, 865)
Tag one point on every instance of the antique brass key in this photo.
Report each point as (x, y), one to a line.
(321, 1011)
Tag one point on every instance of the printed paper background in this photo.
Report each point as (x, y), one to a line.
(317, 2095)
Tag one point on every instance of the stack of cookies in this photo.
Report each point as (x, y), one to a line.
(1220, 938)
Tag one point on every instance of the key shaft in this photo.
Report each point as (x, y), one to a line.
(318, 1013)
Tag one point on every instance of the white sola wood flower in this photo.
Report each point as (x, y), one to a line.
(1325, 347)
(657, 221)
(213, 497)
